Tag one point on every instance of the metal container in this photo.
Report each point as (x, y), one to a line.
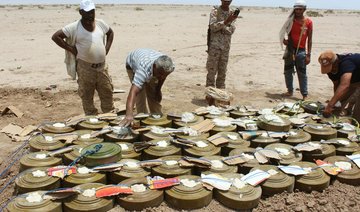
(240, 199)
(263, 140)
(131, 169)
(188, 197)
(288, 156)
(217, 166)
(319, 132)
(56, 128)
(38, 159)
(297, 137)
(142, 199)
(267, 122)
(161, 148)
(21, 204)
(235, 142)
(87, 201)
(109, 153)
(92, 123)
(121, 134)
(277, 183)
(157, 120)
(203, 148)
(35, 179)
(45, 142)
(351, 177)
(170, 167)
(197, 119)
(316, 180)
(245, 167)
(128, 152)
(82, 177)
(326, 151)
(85, 138)
(71, 156)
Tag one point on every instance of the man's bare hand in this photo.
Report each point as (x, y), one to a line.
(127, 121)
(328, 111)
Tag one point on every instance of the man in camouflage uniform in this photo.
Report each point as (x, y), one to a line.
(222, 26)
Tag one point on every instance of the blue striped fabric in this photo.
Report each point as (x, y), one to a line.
(141, 62)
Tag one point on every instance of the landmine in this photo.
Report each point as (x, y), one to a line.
(324, 152)
(160, 148)
(344, 146)
(35, 179)
(171, 167)
(109, 153)
(38, 159)
(238, 197)
(312, 107)
(87, 201)
(85, 138)
(157, 120)
(222, 124)
(189, 195)
(277, 183)
(272, 122)
(315, 180)
(128, 152)
(201, 148)
(248, 152)
(320, 132)
(186, 122)
(297, 137)
(286, 153)
(91, 123)
(56, 128)
(121, 134)
(130, 169)
(217, 166)
(83, 176)
(155, 132)
(240, 112)
(263, 140)
(33, 201)
(233, 139)
(351, 173)
(142, 197)
(45, 142)
(128, 174)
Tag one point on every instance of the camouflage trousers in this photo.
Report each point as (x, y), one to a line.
(216, 65)
(147, 93)
(93, 77)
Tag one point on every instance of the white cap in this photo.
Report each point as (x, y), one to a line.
(300, 4)
(87, 5)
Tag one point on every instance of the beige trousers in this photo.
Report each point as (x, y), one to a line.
(147, 94)
(93, 77)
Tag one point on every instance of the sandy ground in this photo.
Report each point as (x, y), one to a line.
(30, 62)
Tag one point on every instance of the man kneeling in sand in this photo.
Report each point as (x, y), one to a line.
(344, 72)
(147, 70)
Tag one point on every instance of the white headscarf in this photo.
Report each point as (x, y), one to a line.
(286, 28)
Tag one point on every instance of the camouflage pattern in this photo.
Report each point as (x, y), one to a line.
(219, 47)
(147, 93)
(91, 79)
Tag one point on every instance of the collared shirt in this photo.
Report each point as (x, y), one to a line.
(141, 63)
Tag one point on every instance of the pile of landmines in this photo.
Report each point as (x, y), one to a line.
(234, 155)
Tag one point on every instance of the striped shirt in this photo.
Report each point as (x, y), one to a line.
(141, 63)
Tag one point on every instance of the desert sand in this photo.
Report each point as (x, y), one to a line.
(33, 75)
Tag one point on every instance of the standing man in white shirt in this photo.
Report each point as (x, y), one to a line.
(87, 42)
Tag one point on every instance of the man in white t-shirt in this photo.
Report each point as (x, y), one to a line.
(86, 43)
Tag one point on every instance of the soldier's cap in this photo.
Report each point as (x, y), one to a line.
(300, 4)
(87, 5)
(326, 60)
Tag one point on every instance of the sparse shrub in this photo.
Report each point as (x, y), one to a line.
(329, 12)
(139, 9)
(314, 14)
(284, 9)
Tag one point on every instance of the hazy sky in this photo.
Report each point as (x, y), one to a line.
(323, 4)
